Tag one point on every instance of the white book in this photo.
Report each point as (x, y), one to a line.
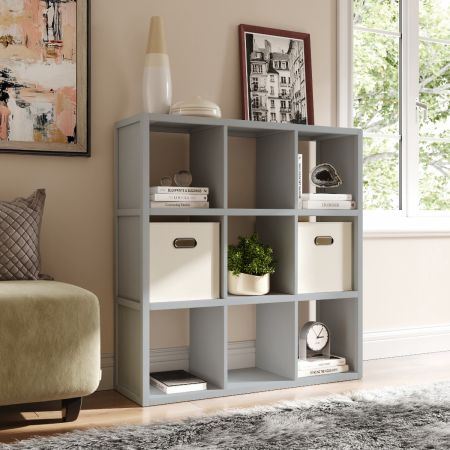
(328, 204)
(178, 197)
(202, 205)
(313, 196)
(178, 190)
(179, 204)
(300, 175)
(318, 361)
(177, 381)
(322, 371)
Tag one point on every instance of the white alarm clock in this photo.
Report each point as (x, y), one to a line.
(314, 339)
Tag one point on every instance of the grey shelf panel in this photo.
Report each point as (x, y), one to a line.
(186, 212)
(329, 212)
(243, 212)
(259, 212)
(186, 304)
(237, 300)
(327, 295)
(251, 377)
(220, 212)
(189, 124)
(128, 212)
(234, 300)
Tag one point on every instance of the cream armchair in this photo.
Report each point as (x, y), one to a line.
(49, 344)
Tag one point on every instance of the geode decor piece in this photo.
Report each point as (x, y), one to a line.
(325, 175)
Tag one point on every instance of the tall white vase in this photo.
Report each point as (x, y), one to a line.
(157, 85)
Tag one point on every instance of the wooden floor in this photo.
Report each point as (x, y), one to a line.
(108, 408)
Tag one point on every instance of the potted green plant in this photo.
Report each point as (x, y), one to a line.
(250, 264)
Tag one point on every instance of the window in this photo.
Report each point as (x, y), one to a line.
(283, 91)
(273, 117)
(283, 117)
(283, 64)
(272, 78)
(256, 68)
(401, 99)
(283, 104)
(272, 103)
(283, 80)
(272, 91)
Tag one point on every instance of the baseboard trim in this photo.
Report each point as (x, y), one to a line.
(406, 341)
(376, 345)
(107, 381)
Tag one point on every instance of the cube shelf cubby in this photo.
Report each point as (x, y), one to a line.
(252, 172)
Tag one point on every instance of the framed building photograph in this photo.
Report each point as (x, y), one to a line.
(276, 75)
(44, 89)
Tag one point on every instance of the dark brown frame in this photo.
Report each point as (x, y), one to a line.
(83, 146)
(278, 33)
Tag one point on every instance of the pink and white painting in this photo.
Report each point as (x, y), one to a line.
(38, 74)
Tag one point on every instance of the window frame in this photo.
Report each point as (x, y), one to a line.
(409, 219)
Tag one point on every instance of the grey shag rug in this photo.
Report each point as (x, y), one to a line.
(397, 418)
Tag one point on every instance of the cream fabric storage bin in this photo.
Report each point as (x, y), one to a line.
(184, 261)
(325, 256)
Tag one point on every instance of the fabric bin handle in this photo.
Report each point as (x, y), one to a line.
(184, 243)
(323, 240)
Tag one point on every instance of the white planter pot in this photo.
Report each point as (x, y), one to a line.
(244, 284)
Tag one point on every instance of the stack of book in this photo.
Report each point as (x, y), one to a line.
(177, 381)
(321, 365)
(178, 197)
(326, 201)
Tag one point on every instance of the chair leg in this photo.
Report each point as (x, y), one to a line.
(71, 408)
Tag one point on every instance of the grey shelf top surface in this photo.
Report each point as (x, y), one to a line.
(240, 212)
(234, 300)
(188, 124)
(252, 375)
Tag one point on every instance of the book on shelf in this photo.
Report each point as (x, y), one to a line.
(318, 361)
(178, 190)
(322, 371)
(179, 205)
(177, 381)
(328, 204)
(178, 197)
(300, 175)
(327, 197)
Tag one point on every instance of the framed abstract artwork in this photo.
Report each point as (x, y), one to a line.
(44, 81)
(276, 75)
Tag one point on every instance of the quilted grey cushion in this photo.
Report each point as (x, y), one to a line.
(20, 225)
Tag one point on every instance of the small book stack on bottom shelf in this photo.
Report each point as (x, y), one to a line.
(177, 381)
(321, 365)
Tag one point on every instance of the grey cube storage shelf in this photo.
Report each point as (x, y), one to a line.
(219, 152)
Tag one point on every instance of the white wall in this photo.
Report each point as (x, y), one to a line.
(406, 295)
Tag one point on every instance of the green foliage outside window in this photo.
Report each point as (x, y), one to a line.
(377, 108)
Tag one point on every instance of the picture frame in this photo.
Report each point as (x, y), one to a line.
(44, 78)
(276, 75)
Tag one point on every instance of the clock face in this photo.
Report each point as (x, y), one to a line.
(317, 337)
